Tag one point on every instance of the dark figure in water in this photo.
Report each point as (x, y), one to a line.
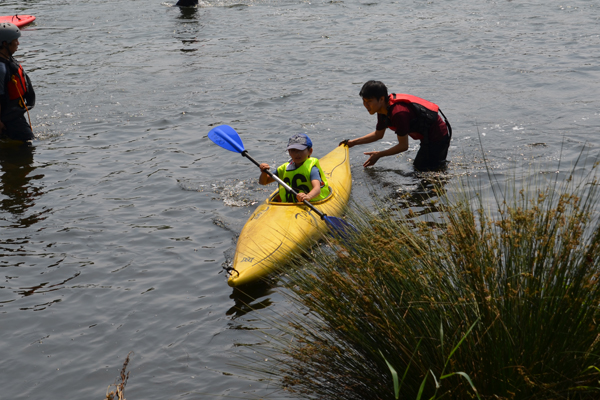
(187, 3)
(16, 93)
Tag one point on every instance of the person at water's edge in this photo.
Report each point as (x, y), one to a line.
(404, 115)
(187, 3)
(16, 91)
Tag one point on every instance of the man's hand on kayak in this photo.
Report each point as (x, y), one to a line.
(346, 142)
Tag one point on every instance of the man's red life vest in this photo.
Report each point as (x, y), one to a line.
(19, 95)
(17, 85)
(425, 113)
(407, 98)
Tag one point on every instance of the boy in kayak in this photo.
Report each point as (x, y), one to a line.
(406, 115)
(303, 173)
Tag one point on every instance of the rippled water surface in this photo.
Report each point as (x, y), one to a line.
(117, 225)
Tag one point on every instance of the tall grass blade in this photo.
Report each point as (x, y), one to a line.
(394, 377)
(464, 376)
(459, 343)
(422, 387)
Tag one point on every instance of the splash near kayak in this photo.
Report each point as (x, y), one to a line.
(18, 20)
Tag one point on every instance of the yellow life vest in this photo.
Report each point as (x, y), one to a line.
(299, 180)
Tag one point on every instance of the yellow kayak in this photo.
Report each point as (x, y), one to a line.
(276, 230)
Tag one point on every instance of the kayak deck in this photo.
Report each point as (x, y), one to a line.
(276, 230)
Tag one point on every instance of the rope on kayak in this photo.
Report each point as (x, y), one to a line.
(230, 270)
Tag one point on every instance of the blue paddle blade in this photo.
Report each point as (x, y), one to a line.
(226, 137)
(339, 226)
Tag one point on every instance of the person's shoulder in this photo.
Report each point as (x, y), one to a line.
(400, 112)
(315, 162)
(400, 107)
(284, 165)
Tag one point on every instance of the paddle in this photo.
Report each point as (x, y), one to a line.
(226, 137)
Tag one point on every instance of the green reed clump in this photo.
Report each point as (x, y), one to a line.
(506, 296)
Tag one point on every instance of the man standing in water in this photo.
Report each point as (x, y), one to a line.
(407, 116)
(187, 3)
(16, 93)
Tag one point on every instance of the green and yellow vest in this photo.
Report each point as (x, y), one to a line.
(299, 180)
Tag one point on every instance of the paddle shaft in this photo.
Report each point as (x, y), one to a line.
(285, 185)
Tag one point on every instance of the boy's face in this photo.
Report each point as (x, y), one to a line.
(374, 105)
(299, 156)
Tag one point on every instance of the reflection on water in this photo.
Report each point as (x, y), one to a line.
(188, 12)
(417, 191)
(190, 27)
(244, 298)
(422, 192)
(18, 186)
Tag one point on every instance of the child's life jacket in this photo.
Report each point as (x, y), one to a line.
(299, 180)
(425, 112)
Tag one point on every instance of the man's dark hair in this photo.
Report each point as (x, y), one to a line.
(373, 90)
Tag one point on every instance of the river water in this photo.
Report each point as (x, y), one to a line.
(117, 225)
